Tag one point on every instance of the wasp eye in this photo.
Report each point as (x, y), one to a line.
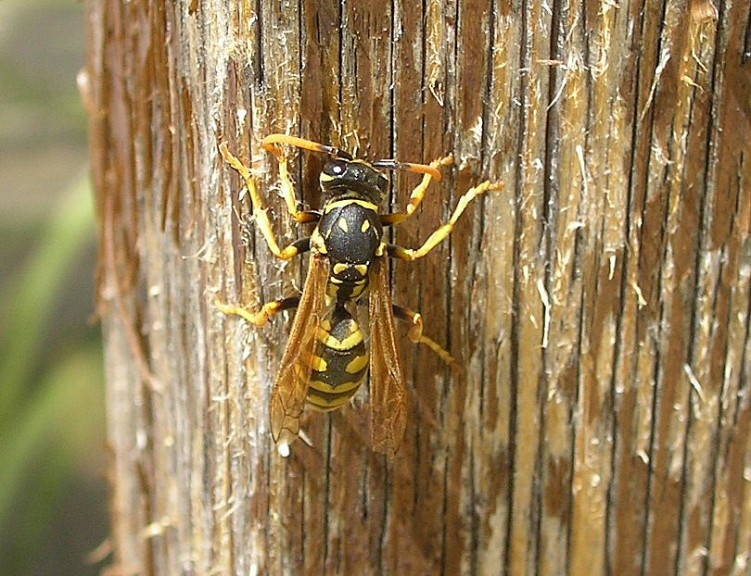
(335, 168)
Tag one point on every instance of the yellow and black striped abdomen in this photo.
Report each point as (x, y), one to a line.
(340, 363)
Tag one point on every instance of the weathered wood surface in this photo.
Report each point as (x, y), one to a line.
(599, 303)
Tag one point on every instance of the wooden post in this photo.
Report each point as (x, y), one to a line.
(599, 304)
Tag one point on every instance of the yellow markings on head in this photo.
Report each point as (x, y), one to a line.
(381, 250)
(340, 268)
(365, 226)
(342, 223)
(325, 177)
(362, 269)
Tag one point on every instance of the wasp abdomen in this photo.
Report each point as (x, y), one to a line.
(340, 362)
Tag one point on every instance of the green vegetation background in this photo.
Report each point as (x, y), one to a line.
(53, 494)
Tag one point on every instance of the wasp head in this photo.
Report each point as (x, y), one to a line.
(344, 178)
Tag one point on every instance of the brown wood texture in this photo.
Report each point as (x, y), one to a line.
(599, 304)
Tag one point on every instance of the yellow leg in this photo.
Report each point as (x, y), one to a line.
(260, 212)
(415, 334)
(443, 232)
(288, 192)
(419, 192)
(271, 143)
(262, 316)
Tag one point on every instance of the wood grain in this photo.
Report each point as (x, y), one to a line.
(599, 304)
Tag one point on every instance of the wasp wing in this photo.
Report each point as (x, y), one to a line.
(291, 387)
(388, 395)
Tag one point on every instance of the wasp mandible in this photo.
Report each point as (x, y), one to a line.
(326, 358)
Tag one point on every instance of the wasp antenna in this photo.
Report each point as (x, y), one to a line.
(272, 141)
(389, 164)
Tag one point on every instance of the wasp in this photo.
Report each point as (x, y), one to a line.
(326, 358)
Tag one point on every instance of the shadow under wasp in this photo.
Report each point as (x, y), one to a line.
(326, 358)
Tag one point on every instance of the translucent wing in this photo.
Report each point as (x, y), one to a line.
(388, 396)
(291, 387)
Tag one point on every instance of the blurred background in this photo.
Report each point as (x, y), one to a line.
(53, 493)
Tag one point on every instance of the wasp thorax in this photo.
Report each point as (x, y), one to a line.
(353, 178)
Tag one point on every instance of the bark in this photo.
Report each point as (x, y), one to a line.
(599, 304)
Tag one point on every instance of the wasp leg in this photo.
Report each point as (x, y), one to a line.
(442, 232)
(259, 211)
(415, 333)
(429, 173)
(271, 143)
(262, 316)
